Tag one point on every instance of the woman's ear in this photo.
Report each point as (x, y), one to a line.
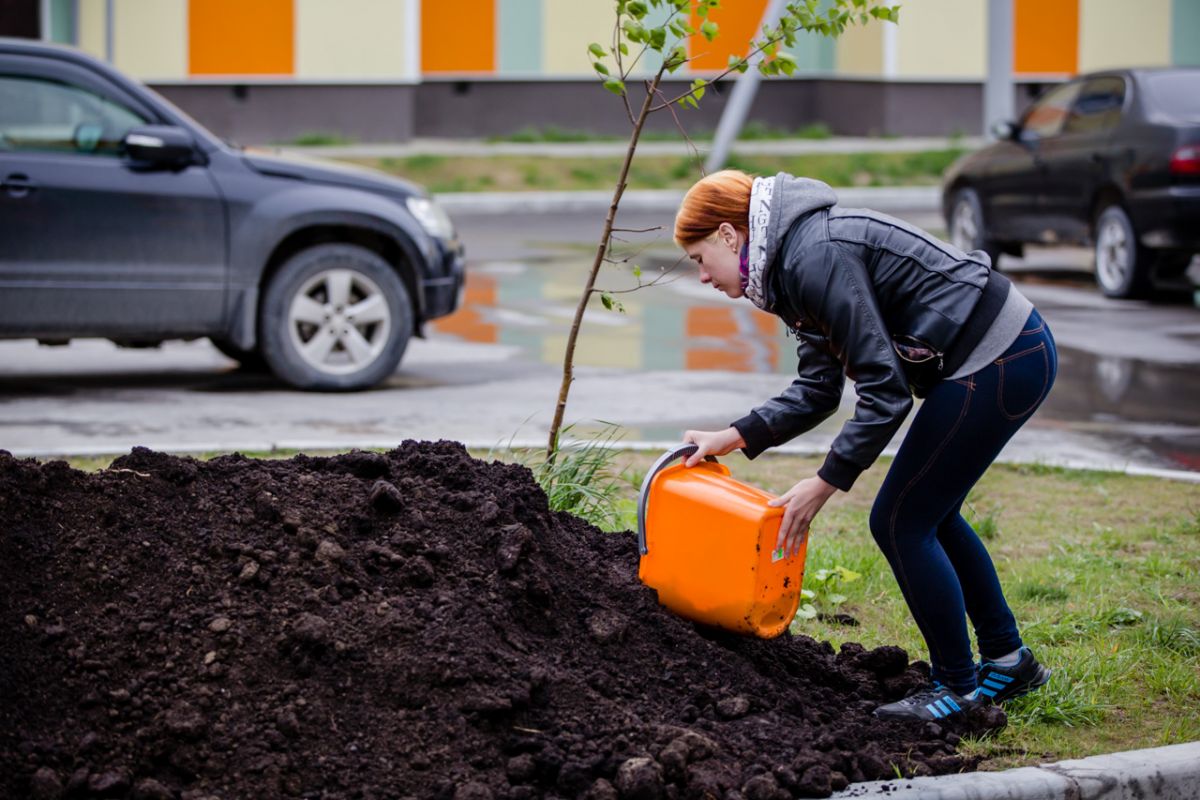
(729, 236)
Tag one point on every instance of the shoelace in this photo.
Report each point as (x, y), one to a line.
(923, 697)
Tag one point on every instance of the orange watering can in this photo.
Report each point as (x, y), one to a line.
(708, 547)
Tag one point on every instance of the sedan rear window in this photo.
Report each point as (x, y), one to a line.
(1176, 94)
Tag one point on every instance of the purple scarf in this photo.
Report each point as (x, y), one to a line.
(744, 264)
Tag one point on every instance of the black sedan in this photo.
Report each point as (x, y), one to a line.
(1110, 160)
(121, 217)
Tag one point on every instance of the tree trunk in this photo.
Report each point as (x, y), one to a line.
(568, 373)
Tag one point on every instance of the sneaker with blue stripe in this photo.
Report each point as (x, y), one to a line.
(998, 683)
(928, 704)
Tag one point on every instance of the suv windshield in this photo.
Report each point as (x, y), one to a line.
(1176, 93)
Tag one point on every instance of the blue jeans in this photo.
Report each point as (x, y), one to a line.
(943, 568)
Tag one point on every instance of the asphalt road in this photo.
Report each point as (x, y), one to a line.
(1126, 395)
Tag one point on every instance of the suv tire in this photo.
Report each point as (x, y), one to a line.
(335, 317)
(1122, 265)
(967, 229)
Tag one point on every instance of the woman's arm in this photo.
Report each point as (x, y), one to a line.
(805, 404)
(834, 288)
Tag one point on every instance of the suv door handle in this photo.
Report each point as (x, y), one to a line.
(17, 185)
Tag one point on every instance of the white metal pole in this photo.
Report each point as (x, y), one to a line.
(740, 100)
(998, 85)
(109, 26)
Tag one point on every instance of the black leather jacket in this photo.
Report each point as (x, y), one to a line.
(873, 298)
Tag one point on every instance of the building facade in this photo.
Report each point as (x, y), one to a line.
(390, 70)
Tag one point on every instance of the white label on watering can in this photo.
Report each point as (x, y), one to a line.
(777, 555)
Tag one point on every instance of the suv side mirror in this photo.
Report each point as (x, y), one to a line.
(1004, 130)
(160, 145)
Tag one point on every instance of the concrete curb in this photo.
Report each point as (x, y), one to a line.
(1167, 773)
(907, 198)
(504, 443)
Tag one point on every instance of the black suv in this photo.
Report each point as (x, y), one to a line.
(122, 218)
(1110, 159)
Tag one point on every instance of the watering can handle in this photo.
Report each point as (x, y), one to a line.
(678, 451)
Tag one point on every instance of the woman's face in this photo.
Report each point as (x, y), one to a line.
(718, 258)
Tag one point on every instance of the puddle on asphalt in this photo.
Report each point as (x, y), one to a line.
(676, 324)
(680, 324)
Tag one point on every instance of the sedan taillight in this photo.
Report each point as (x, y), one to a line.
(1186, 160)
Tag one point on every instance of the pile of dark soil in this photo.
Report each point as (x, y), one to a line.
(408, 624)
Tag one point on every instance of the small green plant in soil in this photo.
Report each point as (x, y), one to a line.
(581, 478)
(822, 594)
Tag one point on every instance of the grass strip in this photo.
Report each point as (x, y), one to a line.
(441, 174)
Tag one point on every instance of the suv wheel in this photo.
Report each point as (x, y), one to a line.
(336, 317)
(967, 230)
(1122, 266)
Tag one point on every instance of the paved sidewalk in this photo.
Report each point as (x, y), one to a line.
(615, 148)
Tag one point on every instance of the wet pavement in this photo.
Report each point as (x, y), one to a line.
(681, 355)
(1129, 373)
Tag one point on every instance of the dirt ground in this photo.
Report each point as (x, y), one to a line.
(409, 624)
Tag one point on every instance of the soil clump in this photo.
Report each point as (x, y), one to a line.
(415, 623)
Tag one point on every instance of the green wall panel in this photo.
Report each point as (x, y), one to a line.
(62, 21)
(1185, 33)
(519, 36)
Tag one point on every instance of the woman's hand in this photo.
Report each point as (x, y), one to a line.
(802, 503)
(712, 443)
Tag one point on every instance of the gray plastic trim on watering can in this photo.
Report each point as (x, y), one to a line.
(677, 451)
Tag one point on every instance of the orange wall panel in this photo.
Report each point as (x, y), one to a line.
(1046, 36)
(235, 37)
(737, 22)
(458, 36)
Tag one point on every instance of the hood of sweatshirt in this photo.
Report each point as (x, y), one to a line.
(793, 198)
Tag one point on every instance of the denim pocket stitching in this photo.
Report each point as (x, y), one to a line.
(1038, 329)
(1041, 395)
(1025, 352)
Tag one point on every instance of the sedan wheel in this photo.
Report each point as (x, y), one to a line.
(335, 317)
(1121, 265)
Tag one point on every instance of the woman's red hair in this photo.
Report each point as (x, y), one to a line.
(721, 197)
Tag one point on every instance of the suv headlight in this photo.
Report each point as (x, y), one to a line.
(431, 216)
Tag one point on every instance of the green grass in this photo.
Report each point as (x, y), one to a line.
(551, 134)
(518, 173)
(1100, 570)
(752, 131)
(319, 139)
